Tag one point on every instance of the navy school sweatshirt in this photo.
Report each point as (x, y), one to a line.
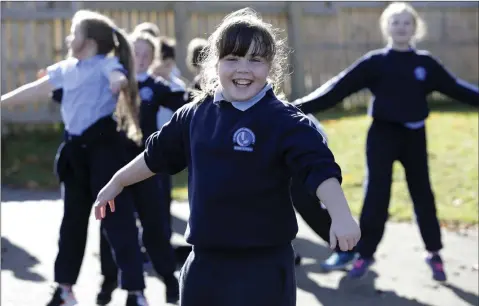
(156, 92)
(399, 81)
(240, 164)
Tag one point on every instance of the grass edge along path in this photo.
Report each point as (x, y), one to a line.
(27, 162)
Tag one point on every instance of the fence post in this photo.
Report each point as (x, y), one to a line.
(182, 22)
(77, 5)
(295, 12)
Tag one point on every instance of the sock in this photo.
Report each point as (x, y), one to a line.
(136, 292)
(65, 288)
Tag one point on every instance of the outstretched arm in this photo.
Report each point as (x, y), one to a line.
(165, 152)
(454, 87)
(29, 93)
(49, 80)
(311, 161)
(354, 78)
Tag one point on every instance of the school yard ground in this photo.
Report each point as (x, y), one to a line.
(30, 222)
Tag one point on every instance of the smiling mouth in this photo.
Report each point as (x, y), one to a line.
(242, 82)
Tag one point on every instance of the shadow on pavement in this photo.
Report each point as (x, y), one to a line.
(467, 297)
(348, 293)
(19, 261)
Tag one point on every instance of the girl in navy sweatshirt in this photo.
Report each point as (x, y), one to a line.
(400, 78)
(241, 145)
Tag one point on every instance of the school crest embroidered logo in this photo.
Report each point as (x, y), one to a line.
(243, 140)
(420, 73)
(146, 94)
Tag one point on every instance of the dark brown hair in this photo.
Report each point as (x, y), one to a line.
(167, 48)
(194, 54)
(235, 35)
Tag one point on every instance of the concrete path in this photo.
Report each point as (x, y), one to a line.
(29, 230)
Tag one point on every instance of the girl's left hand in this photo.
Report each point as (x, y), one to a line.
(107, 196)
(115, 86)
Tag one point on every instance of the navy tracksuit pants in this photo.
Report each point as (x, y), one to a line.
(236, 277)
(386, 143)
(84, 165)
(154, 213)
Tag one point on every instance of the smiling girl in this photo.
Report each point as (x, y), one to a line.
(241, 146)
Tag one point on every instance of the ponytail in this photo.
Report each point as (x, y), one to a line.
(127, 110)
(109, 38)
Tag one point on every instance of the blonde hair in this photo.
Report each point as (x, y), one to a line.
(227, 38)
(149, 39)
(149, 28)
(397, 8)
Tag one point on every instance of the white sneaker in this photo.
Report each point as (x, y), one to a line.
(62, 297)
(136, 299)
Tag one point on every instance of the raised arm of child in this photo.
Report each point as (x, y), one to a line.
(165, 152)
(29, 93)
(344, 228)
(310, 159)
(117, 80)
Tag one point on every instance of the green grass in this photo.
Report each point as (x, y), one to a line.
(27, 161)
(453, 161)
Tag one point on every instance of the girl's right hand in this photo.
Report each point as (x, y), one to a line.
(345, 233)
(107, 196)
(41, 73)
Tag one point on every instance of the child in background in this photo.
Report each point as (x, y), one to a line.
(164, 114)
(165, 70)
(240, 166)
(153, 211)
(193, 59)
(92, 110)
(149, 28)
(400, 78)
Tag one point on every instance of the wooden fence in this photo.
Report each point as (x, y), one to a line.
(325, 36)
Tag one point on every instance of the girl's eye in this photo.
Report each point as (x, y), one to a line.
(230, 58)
(256, 60)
